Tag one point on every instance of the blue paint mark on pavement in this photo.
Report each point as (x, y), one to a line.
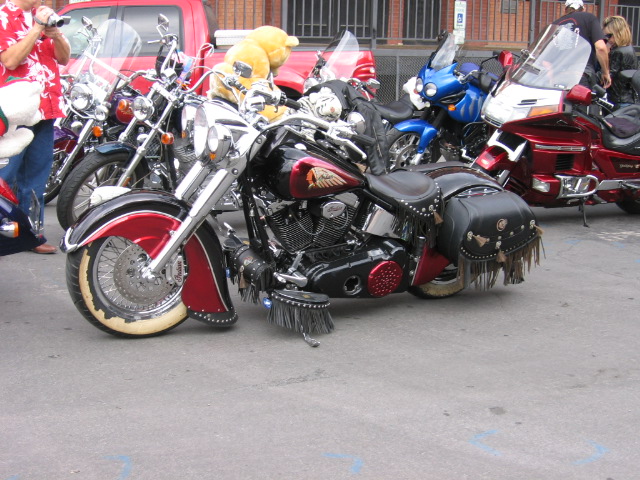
(618, 244)
(572, 241)
(600, 451)
(357, 464)
(476, 441)
(126, 467)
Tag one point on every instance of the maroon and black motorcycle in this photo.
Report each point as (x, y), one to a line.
(556, 145)
(318, 225)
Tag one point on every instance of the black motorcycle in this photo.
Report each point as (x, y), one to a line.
(317, 227)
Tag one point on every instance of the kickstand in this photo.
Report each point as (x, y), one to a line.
(584, 215)
(312, 342)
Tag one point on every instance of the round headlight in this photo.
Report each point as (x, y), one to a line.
(218, 141)
(186, 120)
(200, 132)
(142, 108)
(430, 89)
(101, 113)
(81, 97)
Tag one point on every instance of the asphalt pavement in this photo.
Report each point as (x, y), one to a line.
(535, 381)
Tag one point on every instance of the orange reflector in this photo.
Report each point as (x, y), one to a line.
(452, 108)
(167, 138)
(212, 156)
(124, 105)
(16, 229)
(184, 134)
(97, 131)
(543, 110)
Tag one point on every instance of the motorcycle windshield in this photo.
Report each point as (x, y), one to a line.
(445, 54)
(340, 57)
(557, 60)
(109, 47)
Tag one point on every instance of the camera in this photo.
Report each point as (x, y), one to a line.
(55, 20)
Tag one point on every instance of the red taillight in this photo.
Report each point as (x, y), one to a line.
(6, 192)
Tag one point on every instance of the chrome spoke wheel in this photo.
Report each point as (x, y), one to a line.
(118, 280)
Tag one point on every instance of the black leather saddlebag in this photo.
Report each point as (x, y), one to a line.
(485, 234)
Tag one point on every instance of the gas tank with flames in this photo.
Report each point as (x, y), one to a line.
(299, 171)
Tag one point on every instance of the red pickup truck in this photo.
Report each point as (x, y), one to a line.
(188, 19)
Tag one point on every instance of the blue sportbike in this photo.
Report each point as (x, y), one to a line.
(450, 126)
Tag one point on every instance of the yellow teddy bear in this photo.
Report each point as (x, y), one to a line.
(265, 50)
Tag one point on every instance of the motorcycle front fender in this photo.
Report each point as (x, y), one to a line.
(110, 148)
(148, 219)
(426, 131)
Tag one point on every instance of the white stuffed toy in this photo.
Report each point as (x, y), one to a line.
(19, 106)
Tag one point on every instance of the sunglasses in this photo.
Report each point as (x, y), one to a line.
(608, 36)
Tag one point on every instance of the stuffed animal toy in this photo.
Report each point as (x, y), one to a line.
(265, 50)
(19, 106)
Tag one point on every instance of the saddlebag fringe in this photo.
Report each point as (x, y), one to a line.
(301, 312)
(253, 274)
(412, 227)
(484, 274)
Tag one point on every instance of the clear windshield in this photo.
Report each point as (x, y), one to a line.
(445, 53)
(341, 57)
(557, 60)
(108, 48)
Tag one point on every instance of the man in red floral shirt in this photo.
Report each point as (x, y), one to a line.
(29, 49)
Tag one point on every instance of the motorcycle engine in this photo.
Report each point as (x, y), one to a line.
(309, 224)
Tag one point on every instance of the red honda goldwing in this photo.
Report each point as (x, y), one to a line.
(554, 146)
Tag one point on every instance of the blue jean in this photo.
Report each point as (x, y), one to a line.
(29, 170)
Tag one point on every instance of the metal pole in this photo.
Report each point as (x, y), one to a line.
(284, 14)
(533, 7)
(374, 24)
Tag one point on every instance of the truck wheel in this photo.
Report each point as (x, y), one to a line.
(95, 170)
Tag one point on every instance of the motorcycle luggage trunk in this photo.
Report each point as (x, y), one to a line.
(483, 234)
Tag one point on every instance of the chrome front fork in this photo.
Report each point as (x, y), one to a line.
(82, 138)
(206, 201)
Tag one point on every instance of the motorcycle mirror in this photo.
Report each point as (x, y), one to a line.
(242, 69)
(505, 58)
(373, 83)
(87, 23)
(206, 50)
(580, 95)
(163, 23)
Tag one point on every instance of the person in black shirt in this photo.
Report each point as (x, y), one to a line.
(621, 57)
(588, 27)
